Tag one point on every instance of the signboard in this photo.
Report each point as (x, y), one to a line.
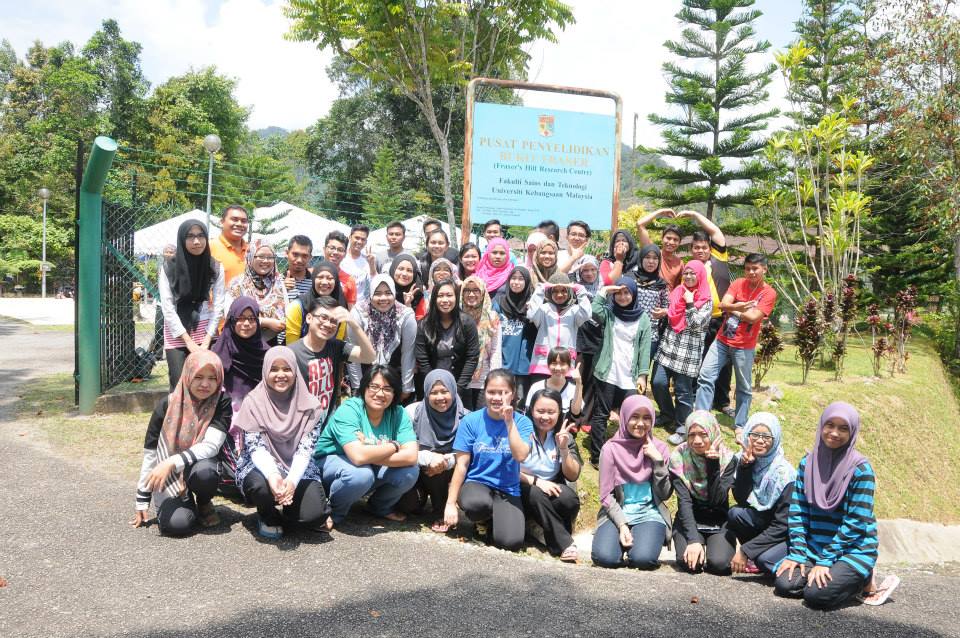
(525, 165)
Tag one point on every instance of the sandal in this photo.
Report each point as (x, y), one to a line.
(396, 517)
(880, 595)
(207, 515)
(439, 527)
(570, 554)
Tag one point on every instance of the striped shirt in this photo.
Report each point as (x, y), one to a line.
(300, 287)
(848, 533)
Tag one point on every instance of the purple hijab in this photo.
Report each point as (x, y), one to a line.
(242, 358)
(828, 472)
(622, 459)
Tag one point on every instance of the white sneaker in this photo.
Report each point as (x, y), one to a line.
(677, 438)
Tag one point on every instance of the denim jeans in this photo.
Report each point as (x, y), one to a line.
(747, 523)
(673, 415)
(718, 355)
(648, 538)
(346, 483)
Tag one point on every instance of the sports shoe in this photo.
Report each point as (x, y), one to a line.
(677, 438)
(270, 532)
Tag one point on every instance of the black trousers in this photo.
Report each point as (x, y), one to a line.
(720, 547)
(555, 514)
(606, 397)
(177, 516)
(505, 512)
(585, 360)
(436, 488)
(845, 583)
(721, 388)
(310, 505)
(175, 359)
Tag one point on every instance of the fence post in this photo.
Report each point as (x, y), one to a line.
(88, 279)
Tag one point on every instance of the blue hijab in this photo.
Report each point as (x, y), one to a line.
(771, 472)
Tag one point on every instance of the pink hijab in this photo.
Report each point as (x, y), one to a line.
(677, 307)
(492, 276)
(622, 459)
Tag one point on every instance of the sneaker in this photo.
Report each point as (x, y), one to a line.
(677, 438)
(270, 532)
(729, 411)
(207, 515)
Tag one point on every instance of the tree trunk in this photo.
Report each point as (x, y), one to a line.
(448, 192)
(956, 295)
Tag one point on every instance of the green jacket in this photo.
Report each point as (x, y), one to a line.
(641, 343)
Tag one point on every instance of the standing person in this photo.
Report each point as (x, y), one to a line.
(334, 250)
(492, 229)
(469, 260)
(279, 424)
(230, 248)
(494, 267)
(392, 330)
(241, 349)
(534, 240)
(359, 265)
(550, 228)
(396, 234)
(475, 302)
(405, 272)
(553, 462)
(447, 339)
(558, 309)
(590, 335)
(261, 280)
(763, 489)
(191, 295)
(578, 234)
(435, 420)
(747, 303)
(430, 226)
(833, 543)
(623, 258)
(156, 343)
(545, 262)
(703, 469)
(621, 368)
(680, 351)
(298, 277)
(326, 283)
(490, 445)
(321, 355)
(634, 488)
(518, 333)
(369, 445)
(438, 247)
(441, 269)
(670, 237)
(180, 472)
(570, 389)
(652, 295)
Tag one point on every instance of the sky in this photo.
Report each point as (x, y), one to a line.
(615, 45)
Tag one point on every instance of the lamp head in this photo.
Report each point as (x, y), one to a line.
(212, 143)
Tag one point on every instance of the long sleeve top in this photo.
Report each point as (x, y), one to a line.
(661, 488)
(712, 512)
(682, 351)
(776, 530)
(848, 533)
(555, 329)
(211, 311)
(639, 350)
(466, 351)
(405, 339)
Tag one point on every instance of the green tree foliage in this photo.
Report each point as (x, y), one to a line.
(122, 86)
(382, 194)
(22, 246)
(712, 131)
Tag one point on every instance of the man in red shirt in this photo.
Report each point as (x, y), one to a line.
(747, 302)
(334, 250)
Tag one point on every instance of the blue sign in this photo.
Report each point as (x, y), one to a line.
(531, 164)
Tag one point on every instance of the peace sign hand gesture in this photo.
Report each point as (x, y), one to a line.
(714, 451)
(748, 456)
(563, 436)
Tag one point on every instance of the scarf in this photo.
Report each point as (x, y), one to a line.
(677, 307)
(690, 467)
(187, 419)
(632, 259)
(454, 271)
(437, 430)
(381, 327)
(591, 288)
(283, 418)
(307, 298)
(242, 358)
(190, 276)
(560, 278)
(622, 460)
(771, 472)
(513, 305)
(268, 290)
(828, 472)
(650, 279)
(492, 276)
(630, 313)
(417, 283)
(542, 274)
(488, 323)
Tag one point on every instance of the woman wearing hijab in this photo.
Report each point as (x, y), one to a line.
(762, 489)
(702, 471)
(620, 370)
(833, 531)
(441, 269)
(241, 349)
(634, 488)
(191, 296)
(405, 272)
(495, 267)
(554, 460)
(278, 419)
(262, 281)
(180, 470)
(392, 330)
(622, 258)
(475, 302)
(681, 348)
(435, 420)
(558, 309)
(447, 339)
(326, 283)
(590, 335)
(652, 293)
(518, 333)
(544, 265)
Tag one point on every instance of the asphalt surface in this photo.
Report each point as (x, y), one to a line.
(74, 567)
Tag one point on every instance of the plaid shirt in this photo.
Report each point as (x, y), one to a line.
(682, 351)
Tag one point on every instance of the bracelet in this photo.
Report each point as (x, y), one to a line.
(396, 446)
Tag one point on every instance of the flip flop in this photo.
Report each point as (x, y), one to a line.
(880, 595)
(570, 554)
(440, 527)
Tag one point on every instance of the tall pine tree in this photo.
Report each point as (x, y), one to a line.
(714, 129)
(382, 193)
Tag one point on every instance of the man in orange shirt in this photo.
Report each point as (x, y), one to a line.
(334, 250)
(230, 248)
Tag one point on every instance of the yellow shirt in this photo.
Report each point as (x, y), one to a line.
(234, 261)
(714, 295)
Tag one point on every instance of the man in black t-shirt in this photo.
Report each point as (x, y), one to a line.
(320, 356)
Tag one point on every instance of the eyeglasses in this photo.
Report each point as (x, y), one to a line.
(245, 319)
(268, 259)
(195, 236)
(376, 388)
(757, 436)
(689, 274)
(698, 435)
(324, 319)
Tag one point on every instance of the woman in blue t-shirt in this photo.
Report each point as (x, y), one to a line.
(490, 445)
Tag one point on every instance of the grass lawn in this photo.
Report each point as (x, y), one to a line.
(910, 428)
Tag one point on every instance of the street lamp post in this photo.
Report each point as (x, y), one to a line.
(44, 194)
(212, 144)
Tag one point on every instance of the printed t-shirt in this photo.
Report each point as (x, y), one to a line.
(486, 440)
(566, 394)
(349, 287)
(359, 269)
(321, 371)
(746, 335)
(351, 418)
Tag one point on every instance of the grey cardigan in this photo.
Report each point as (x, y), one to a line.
(661, 488)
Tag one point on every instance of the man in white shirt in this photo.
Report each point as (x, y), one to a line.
(362, 267)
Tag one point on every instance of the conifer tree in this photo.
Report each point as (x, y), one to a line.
(382, 193)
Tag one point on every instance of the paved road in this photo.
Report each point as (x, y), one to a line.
(75, 567)
(27, 352)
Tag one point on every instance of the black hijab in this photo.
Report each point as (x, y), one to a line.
(513, 305)
(242, 358)
(190, 276)
(649, 279)
(307, 298)
(632, 258)
(402, 290)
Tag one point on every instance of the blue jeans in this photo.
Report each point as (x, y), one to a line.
(648, 539)
(346, 483)
(671, 414)
(717, 357)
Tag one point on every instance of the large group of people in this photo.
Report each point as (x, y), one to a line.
(463, 378)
